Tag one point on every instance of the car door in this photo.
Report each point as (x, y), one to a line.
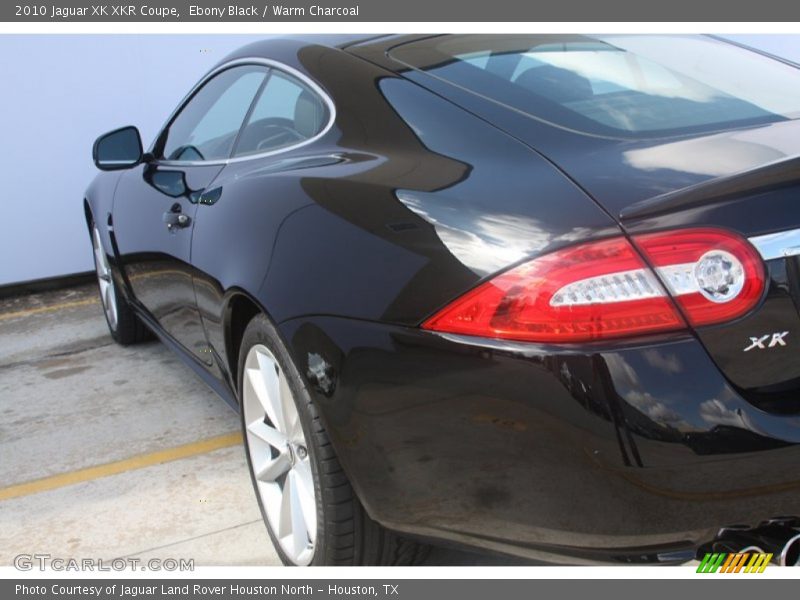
(156, 203)
(255, 192)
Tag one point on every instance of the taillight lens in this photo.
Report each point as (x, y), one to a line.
(714, 276)
(587, 292)
(604, 290)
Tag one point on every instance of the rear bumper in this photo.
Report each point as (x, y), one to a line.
(599, 454)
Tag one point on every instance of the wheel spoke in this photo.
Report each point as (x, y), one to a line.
(274, 402)
(106, 291)
(100, 255)
(291, 417)
(268, 434)
(98, 259)
(112, 307)
(285, 519)
(299, 527)
(273, 468)
(264, 394)
(304, 484)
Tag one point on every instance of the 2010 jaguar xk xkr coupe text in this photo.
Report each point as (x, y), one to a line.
(534, 294)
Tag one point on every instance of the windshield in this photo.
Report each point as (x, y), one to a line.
(616, 85)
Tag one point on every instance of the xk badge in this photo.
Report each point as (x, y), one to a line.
(760, 343)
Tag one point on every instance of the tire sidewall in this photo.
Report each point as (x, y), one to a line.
(261, 331)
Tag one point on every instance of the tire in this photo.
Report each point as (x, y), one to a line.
(343, 533)
(123, 323)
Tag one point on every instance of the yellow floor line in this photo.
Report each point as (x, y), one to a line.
(121, 466)
(47, 309)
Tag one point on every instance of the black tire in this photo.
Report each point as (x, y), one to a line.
(126, 328)
(345, 534)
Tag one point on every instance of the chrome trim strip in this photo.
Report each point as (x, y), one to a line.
(777, 245)
(278, 66)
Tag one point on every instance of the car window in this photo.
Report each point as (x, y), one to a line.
(207, 126)
(285, 113)
(630, 86)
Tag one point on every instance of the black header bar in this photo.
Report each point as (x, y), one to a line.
(440, 11)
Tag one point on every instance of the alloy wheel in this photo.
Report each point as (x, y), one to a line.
(279, 455)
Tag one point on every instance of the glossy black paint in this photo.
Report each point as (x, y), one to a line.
(154, 253)
(629, 451)
(626, 452)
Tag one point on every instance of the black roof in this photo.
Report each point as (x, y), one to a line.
(276, 45)
(332, 40)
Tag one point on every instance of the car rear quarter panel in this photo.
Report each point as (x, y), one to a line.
(615, 452)
(618, 452)
(420, 201)
(405, 203)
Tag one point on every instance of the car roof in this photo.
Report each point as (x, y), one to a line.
(331, 40)
(284, 46)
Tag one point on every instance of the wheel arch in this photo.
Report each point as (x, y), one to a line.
(240, 308)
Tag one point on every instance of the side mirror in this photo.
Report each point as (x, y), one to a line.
(118, 149)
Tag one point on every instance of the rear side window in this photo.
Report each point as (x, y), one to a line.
(206, 127)
(629, 86)
(286, 112)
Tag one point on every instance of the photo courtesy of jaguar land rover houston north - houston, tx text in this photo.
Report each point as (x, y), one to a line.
(534, 294)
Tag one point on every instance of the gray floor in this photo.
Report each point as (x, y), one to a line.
(124, 451)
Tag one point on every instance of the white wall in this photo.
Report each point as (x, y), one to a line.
(60, 92)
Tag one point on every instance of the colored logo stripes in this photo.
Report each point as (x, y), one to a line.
(745, 562)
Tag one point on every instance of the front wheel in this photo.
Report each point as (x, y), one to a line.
(311, 512)
(123, 324)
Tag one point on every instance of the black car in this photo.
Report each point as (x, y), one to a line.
(534, 294)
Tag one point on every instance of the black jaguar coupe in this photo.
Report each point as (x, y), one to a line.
(533, 294)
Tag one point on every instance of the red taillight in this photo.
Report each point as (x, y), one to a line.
(603, 290)
(587, 292)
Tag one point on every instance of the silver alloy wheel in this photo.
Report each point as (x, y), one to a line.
(105, 280)
(279, 455)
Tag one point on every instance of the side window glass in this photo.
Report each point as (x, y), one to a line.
(207, 126)
(286, 112)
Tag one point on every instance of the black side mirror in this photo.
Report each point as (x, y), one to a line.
(118, 149)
